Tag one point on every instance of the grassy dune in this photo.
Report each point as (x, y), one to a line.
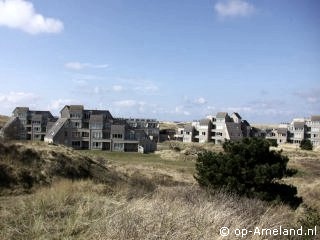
(3, 120)
(153, 196)
(86, 210)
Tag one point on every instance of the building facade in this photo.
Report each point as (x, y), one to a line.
(26, 124)
(80, 128)
(216, 129)
(298, 130)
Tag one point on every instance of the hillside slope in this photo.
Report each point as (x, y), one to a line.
(3, 120)
(24, 166)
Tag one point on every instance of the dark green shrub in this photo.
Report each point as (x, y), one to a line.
(306, 144)
(273, 142)
(247, 168)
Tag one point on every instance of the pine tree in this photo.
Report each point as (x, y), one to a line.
(247, 168)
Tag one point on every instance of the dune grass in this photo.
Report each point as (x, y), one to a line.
(87, 210)
(156, 199)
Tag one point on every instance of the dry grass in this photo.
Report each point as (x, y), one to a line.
(85, 210)
(307, 179)
(3, 120)
(171, 125)
(158, 199)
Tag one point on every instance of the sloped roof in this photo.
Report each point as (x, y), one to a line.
(245, 122)
(282, 130)
(221, 115)
(76, 107)
(315, 118)
(188, 128)
(298, 124)
(21, 109)
(237, 115)
(204, 122)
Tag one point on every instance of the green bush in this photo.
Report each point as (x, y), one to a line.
(306, 144)
(273, 142)
(247, 168)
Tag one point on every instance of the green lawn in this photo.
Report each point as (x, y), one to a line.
(150, 160)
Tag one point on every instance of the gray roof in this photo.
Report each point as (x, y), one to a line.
(298, 124)
(282, 130)
(221, 115)
(315, 118)
(76, 107)
(237, 115)
(21, 109)
(205, 122)
(188, 128)
(245, 122)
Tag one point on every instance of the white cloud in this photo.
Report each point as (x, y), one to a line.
(140, 85)
(8, 101)
(146, 87)
(17, 97)
(311, 96)
(20, 14)
(80, 82)
(117, 88)
(79, 66)
(181, 111)
(58, 104)
(233, 8)
(125, 103)
(200, 101)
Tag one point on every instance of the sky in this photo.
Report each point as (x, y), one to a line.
(174, 60)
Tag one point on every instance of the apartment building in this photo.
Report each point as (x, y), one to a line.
(298, 130)
(26, 124)
(313, 130)
(216, 129)
(80, 128)
(150, 126)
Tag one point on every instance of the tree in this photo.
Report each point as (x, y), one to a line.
(306, 144)
(247, 168)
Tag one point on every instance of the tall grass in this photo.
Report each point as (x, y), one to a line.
(86, 210)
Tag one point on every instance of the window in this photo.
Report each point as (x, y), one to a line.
(96, 145)
(86, 115)
(75, 115)
(37, 129)
(75, 134)
(96, 125)
(119, 135)
(75, 143)
(66, 134)
(203, 133)
(85, 134)
(97, 135)
(118, 146)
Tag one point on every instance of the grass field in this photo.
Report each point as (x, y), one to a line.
(158, 198)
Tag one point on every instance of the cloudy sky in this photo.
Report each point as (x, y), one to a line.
(168, 59)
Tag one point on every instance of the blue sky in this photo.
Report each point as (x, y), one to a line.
(168, 59)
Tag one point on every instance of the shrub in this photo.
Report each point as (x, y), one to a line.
(306, 144)
(247, 168)
(273, 142)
